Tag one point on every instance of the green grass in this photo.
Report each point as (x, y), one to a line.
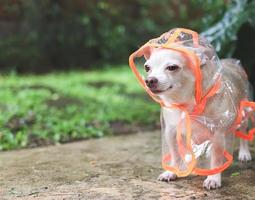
(62, 107)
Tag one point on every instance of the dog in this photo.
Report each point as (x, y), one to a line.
(169, 78)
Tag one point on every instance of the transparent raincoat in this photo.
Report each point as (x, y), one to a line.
(198, 131)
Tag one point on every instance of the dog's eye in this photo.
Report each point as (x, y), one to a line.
(172, 67)
(147, 68)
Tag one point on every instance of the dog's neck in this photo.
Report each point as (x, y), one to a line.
(182, 98)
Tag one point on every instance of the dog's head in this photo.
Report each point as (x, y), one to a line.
(172, 65)
(168, 75)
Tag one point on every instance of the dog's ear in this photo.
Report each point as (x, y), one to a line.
(205, 54)
(147, 52)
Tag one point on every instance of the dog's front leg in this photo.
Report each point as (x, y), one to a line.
(218, 142)
(169, 136)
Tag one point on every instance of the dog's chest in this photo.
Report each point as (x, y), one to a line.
(171, 116)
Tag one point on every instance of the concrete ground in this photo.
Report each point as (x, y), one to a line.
(112, 168)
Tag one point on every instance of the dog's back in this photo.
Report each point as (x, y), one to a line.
(234, 72)
(234, 89)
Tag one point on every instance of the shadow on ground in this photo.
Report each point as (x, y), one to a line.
(112, 168)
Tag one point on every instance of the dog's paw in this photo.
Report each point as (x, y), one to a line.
(167, 176)
(244, 156)
(212, 182)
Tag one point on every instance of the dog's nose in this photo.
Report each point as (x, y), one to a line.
(151, 82)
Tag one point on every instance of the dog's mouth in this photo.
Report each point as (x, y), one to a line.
(161, 91)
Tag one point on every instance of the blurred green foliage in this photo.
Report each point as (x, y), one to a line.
(223, 34)
(66, 34)
(38, 36)
(46, 109)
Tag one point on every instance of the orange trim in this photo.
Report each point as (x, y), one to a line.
(178, 172)
(199, 171)
(250, 134)
(245, 136)
(206, 172)
(190, 164)
(139, 77)
(212, 91)
(173, 37)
